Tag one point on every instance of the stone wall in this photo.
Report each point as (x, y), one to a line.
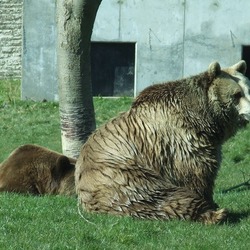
(10, 38)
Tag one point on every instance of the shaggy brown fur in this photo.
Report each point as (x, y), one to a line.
(160, 159)
(37, 170)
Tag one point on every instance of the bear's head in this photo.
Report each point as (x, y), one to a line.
(229, 96)
(37, 170)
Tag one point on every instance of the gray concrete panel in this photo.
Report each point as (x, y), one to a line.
(39, 79)
(174, 39)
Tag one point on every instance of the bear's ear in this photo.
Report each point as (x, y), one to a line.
(63, 166)
(214, 68)
(241, 67)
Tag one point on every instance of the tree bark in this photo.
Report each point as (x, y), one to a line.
(75, 20)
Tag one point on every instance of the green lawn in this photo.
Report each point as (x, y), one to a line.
(53, 222)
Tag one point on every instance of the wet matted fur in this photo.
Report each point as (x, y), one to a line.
(160, 159)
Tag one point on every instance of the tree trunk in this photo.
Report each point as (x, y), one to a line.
(75, 20)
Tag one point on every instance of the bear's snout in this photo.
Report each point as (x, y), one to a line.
(244, 109)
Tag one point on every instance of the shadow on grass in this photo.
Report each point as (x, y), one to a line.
(237, 217)
(238, 188)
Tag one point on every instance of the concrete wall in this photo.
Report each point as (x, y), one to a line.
(174, 38)
(157, 29)
(39, 79)
(10, 38)
(215, 30)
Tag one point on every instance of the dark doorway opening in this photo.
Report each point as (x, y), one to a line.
(246, 57)
(112, 68)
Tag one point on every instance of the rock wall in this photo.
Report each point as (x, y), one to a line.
(10, 38)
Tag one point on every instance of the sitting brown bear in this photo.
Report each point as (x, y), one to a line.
(160, 159)
(37, 170)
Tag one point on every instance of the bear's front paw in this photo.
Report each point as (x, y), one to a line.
(213, 217)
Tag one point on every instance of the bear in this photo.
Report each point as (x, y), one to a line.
(159, 160)
(37, 170)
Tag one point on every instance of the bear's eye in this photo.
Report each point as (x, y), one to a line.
(237, 95)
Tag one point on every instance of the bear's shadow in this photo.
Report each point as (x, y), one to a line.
(237, 217)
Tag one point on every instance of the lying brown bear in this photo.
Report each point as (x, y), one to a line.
(37, 170)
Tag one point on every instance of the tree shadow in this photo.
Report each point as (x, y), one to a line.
(238, 188)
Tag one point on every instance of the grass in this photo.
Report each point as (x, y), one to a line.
(53, 222)
(23, 122)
